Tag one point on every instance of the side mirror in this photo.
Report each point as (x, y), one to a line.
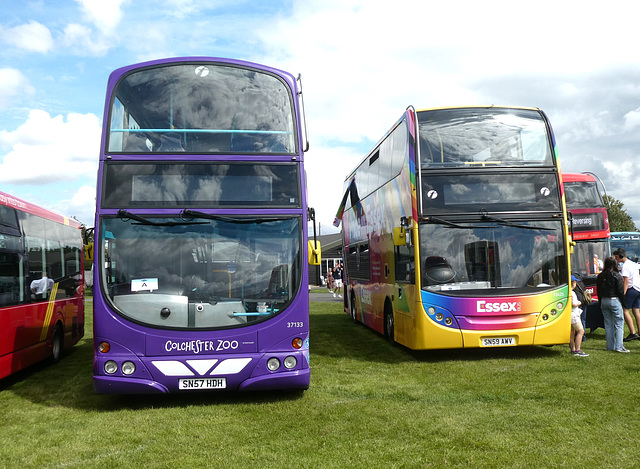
(88, 252)
(572, 244)
(315, 252)
(399, 236)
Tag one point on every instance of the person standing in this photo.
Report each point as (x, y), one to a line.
(337, 279)
(611, 294)
(330, 280)
(631, 285)
(575, 339)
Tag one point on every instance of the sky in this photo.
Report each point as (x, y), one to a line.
(363, 62)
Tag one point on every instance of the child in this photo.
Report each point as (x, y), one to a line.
(575, 339)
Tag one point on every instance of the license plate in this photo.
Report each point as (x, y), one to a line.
(498, 341)
(202, 383)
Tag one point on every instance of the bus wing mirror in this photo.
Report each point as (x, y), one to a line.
(315, 252)
(88, 252)
(399, 236)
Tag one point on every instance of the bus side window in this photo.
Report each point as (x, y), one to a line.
(405, 264)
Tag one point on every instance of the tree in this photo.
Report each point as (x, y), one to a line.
(619, 219)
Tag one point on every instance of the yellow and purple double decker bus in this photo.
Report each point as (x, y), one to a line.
(201, 230)
(455, 231)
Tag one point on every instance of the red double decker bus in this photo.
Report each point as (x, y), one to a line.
(41, 284)
(590, 230)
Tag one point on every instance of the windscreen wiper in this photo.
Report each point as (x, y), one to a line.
(442, 221)
(190, 214)
(502, 221)
(124, 215)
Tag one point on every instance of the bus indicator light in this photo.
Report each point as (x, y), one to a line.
(104, 347)
(297, 343)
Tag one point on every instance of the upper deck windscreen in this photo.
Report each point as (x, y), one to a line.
(582, 194)
(483, 137)
(201, 108)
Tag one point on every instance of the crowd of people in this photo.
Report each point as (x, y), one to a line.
(618, 287)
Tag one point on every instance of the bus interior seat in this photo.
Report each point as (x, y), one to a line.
(136, 142)
(438, 271)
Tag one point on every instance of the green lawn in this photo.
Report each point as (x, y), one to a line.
(369, 405)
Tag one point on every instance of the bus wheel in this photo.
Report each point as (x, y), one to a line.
(352, 307)
(388, 324)
(58, 344)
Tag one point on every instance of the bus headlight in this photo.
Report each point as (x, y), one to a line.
(273, 364)
(290, 362)
(110, 367)
(128, 368)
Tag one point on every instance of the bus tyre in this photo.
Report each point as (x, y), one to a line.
(388, 324)
(57, 344)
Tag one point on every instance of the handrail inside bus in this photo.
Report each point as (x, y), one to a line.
(208, 131)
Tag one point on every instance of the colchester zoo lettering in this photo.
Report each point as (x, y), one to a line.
(197, 346)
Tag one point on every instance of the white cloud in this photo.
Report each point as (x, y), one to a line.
(12, 83)
(326, 170)
(48, 149)
(364, 62)
(32, 37)
(83, 41)
(632, 120)
(105, 15)
(83, 205)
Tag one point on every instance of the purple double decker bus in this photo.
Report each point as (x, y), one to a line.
(201, 230)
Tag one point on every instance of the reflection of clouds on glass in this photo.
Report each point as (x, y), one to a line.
(225, 99)
(215, 258)
(489, 192)
(169, 188)
(496, 136)
(519, 253)
(208, 189)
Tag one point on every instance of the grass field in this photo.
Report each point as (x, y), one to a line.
(370, 405)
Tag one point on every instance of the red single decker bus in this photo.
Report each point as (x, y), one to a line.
(590, 227)
(41, 284)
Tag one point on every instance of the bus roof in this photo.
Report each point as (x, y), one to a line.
(491, 106)
(577, 177)
(23, 206)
